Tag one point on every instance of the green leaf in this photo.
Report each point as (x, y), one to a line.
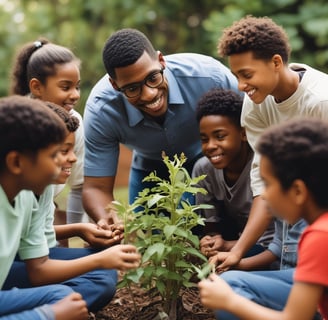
(154, 249)
(155, 199)
(169, 230)
(205, 271)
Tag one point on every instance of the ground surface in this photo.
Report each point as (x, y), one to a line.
(146, 308)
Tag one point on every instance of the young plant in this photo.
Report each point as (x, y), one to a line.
(160, 224)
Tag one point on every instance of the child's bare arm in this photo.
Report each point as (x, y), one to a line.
(258, 221)
(302, 303)
(46, 271)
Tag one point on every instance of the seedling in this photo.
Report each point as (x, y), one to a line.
(160, 223)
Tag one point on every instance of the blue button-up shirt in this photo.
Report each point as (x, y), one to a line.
(109, 118)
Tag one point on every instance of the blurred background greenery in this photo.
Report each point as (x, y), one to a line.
(173, 26)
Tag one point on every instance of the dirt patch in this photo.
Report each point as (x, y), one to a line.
(146, 307)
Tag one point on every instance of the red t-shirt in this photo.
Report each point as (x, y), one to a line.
(312, 265)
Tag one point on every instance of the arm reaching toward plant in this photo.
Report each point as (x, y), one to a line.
(216, 294)
(258, 221)
(97, 195)
(45, 271)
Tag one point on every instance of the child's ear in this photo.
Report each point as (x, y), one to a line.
(35, 87)
(277, 60)
(300, 191)
(243, 135)
(13, 162)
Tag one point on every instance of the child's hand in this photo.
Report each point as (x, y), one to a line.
(224, 261)
(211, 245)
(98, 237)
(72, 307)
(122, 257)
(215, 293)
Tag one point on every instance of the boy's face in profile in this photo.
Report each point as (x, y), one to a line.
(222, 141)
(282, 203)
(40, 171)
(67, 158)
(256, 77)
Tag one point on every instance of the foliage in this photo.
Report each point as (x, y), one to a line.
(173, 26)
(160, 224)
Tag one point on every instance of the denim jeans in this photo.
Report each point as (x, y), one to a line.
(267, 288)
(24, 304)
(97, 287)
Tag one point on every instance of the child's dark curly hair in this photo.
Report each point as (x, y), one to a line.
(263, 37)
(298, 149)
(220, 102)
(71, 122)
(27, 126)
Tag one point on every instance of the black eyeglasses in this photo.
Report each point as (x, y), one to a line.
(153, 80)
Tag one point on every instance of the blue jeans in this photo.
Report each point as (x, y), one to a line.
(97, 287)
(267, 288)
(24, 304)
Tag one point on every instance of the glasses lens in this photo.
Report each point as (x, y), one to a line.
(132, 91)
(155, 79)
(152, 81)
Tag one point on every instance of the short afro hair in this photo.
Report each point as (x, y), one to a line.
(221, 102)
(263, 37)
(125, 47)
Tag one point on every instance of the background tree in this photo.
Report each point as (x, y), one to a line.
(173, 26)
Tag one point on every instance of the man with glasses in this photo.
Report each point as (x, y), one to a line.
(147, 102)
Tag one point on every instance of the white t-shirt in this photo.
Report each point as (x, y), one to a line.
(310, 99)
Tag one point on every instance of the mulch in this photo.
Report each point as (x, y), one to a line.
(138, 304)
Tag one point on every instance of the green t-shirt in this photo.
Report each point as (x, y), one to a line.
(20, 227)
(47, 210)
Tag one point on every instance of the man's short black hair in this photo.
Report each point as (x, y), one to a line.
(125, 47)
